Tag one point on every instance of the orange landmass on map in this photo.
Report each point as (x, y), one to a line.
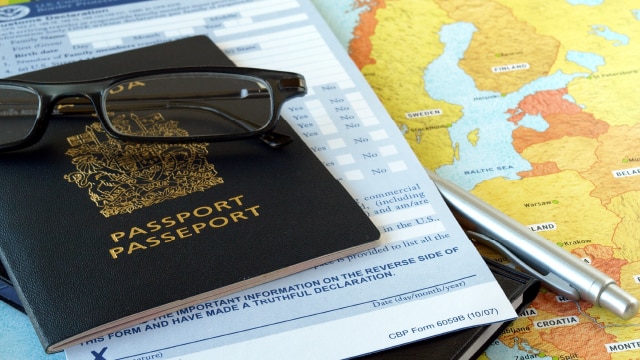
(516, 116)
(564, 118)
(547, 302)
(540, 169)
(502, 39)
(602, 258)
(573, 337)
(544, 103)
(360, 46)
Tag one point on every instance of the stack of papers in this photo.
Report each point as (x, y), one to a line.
(427, 279)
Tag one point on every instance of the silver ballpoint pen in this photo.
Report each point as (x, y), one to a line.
(559, 270)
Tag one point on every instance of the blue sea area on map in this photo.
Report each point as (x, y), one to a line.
(501, 351)
(484, 111)
(607, 33)
(571, 99)
(535, 122)
(588, 60)
(341, 16)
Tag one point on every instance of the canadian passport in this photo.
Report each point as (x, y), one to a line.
(96, 239)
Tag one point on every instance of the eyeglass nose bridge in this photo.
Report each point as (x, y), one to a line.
(75, 104)
(62, 100)
(70, 98)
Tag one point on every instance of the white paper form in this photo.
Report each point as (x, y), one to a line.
(427, 278)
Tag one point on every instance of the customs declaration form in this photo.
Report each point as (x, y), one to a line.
(425, 279)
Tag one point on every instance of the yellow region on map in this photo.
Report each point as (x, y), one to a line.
(500, 42)
(474, 136)
(621, 70)
(617, 145)
(395, 75)
(627, 207)
(567, 153)
(537, 200)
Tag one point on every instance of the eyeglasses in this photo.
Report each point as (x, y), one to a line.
(203, 103)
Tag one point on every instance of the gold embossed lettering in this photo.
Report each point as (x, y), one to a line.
(115, 251)
(136, 231)
(203, 211)
(254, 210)
(152, 241)
(122, 87)
(198, 227)
(182, 216)
(116, 236)
(167, 237)
(218, 222)
(218, 215)
(154, 226)
(221, 205)
(237, 215)
(133, 246)
(168, 221)
(237, 199)
(183, 233)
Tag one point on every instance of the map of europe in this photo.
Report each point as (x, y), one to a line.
(532, 107)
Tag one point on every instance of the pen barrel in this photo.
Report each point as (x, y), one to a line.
(539, 253)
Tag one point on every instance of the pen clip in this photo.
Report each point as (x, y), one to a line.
(550, 280)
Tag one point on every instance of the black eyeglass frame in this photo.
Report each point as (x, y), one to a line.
(283, 86)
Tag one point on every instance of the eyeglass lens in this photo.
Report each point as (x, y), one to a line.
(193, 104)
(18, 113)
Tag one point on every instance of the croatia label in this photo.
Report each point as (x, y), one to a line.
(555, 322)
